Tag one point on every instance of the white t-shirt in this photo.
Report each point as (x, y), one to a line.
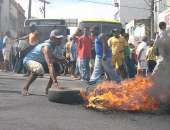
(142, 45)
(142, 62)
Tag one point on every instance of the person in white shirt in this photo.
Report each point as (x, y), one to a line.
(141, 57)
(160, 38)
(7, 44)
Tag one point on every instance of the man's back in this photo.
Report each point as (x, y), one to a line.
(36, 53)
(84, 47)
(33, 38)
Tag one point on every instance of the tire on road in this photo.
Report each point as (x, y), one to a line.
(65, 96)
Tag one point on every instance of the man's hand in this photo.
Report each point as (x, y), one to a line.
(56, 85)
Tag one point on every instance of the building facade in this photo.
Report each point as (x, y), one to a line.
(162, 13)
(12, 17)
(131, 9)
(137, 29)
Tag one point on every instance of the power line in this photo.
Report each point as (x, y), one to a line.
(110, 4)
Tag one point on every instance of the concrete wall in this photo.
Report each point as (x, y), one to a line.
(4, 15)
(12, 17)
(129, 10)
(160, 12)
(137, 29)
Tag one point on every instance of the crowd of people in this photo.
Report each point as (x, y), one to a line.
(90, 56)
(93, 56)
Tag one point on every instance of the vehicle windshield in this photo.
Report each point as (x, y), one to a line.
(45, 22)
(105, 27)
(45, 26)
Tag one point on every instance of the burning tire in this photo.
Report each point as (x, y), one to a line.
(66, 96)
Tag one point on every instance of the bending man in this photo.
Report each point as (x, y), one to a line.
(41, 59)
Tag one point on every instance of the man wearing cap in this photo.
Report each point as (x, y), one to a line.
(41, 59)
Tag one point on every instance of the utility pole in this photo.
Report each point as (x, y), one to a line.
(44, 6)
(29, 9)
(152, 18)
(117, 13)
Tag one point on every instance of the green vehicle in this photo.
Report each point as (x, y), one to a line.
(105, 25)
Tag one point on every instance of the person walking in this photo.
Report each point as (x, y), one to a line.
(151, 57)
(77, 35)
(67, 55)
(128, 61)
(116, 43)
(98, 44)
(73, 56)
(7, 45)
(102, 60)
(141, 50)
(161, 37)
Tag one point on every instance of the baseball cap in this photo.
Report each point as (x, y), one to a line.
(56, 33)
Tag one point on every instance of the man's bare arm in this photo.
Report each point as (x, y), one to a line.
(23, 38)
(49, 60)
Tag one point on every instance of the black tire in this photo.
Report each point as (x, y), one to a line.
(65, 96)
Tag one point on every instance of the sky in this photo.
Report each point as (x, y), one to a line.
(70, 9)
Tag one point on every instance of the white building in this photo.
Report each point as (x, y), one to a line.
(137, 29)
(132, 9)
(162, 13)
(12, 17)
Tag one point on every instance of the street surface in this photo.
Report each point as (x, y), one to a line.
(35, 112)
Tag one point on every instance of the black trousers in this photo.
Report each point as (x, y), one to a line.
(72, 67)
(151, 65)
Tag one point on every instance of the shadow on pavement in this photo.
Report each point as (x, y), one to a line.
(9, 91)
(38, 95)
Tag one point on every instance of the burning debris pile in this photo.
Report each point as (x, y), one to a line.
(130, 95)
(139, 94)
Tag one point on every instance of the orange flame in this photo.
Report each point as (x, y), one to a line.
(130, 95)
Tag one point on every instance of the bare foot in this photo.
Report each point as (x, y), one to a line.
(56, 85)
(25, 92)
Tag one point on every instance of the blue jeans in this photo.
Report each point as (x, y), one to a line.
(77, 68)
(98, 69)
(84, 68)
(109, 69)
(130, 67)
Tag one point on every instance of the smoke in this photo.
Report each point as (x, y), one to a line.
(161, 77)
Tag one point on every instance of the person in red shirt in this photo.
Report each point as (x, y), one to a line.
(84, 47)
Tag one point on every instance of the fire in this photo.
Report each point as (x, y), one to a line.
(130, 95)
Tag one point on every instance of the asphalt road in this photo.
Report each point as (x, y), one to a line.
(35, 112)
